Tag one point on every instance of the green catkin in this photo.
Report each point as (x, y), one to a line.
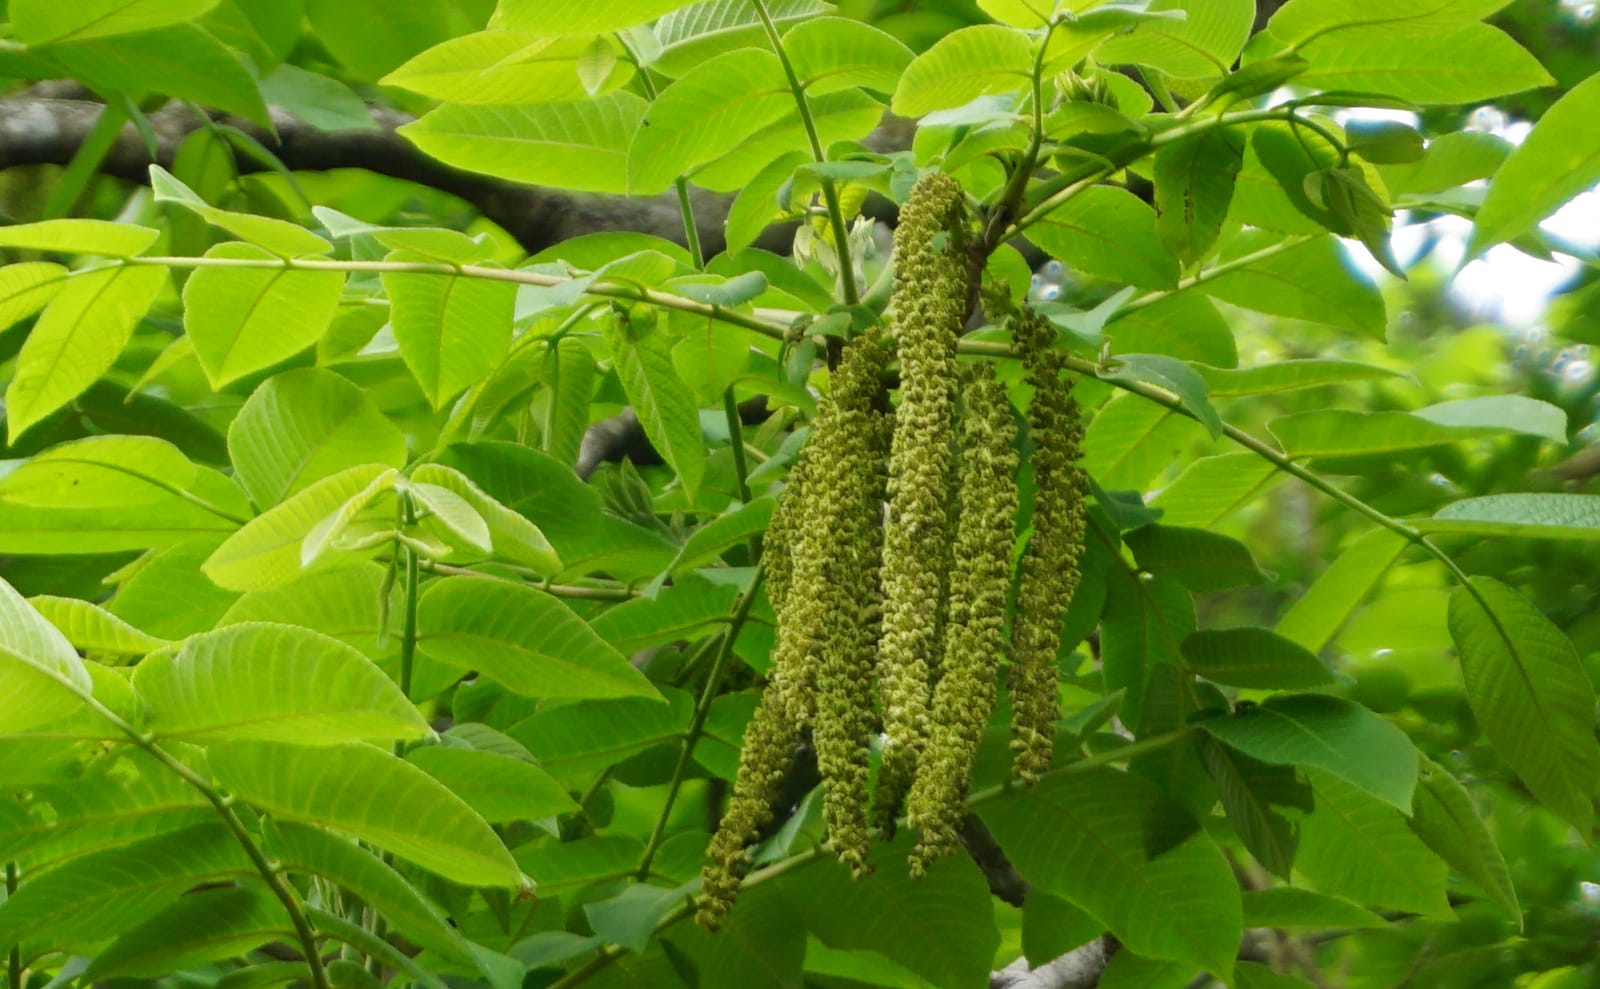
(975, 634)
(930, 301)
(1049, 566)
(822, 663)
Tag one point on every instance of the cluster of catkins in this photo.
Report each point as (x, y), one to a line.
(889, 563)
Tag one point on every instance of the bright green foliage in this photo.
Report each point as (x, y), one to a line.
(349, 636)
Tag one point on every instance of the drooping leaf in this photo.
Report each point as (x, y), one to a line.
(452, 330)
(1310, 281)
(241, 320)
(183, 61)
(371, 37)
(523, 638)
(1445, 818)
(279, 237)
(258, 680)
(1131, 440)
(687, 609)
(78, 337)
(369, 794)
(1337, 736)
(665, 406)
(1530, 694)
(1194, 181)
(1141, 632)
(207, 925)
(512, 537)
(1111, 843)
(1254, 794)
(1110, 233)
(1211, 488)
(1198, 559)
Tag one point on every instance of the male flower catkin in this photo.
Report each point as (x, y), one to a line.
(822, 663)
(930, 301)
(975, 633)
(1049, 566)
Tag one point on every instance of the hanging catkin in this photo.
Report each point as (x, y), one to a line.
(975, 633)
(929, 309)
(1049, 567)
(822, 663)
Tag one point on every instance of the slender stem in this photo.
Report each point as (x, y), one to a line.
(408, 634)
(691, 232)
(1017, 187)
(1215, 271)
(14, 966)
(224, 807)
(610, 953)
(830, 194)
(610, 290)
(697, 722)
(741, 466)
(576, 592)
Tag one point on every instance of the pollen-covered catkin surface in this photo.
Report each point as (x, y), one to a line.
(929, 309)
(1049, 567)
(822, 663)
(975, 635)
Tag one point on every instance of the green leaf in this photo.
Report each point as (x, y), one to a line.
(74, 236)
(168, 595)
(834, 53)
(27, 287)
(77, 339)
(1328, 733)
(1559, 159)
(1383, 142)
(99, 896)
(367, 793)
(1475, 62)
(1175, 376)
(1444, 816)
(687, 609)
(581, 145)
(38, 22)
(314, 851)
(278, 237)
(1310, 281)
(1315, 618)
(564, 867)
(1253, 657)
(630, 918)
(1131, 440)
(1358, 847)
(711, 540)
(1516, 413)
(848, 115)
(1342, 433)
(1144, 625)
(1253, 793)
(1109, 233)
(266, 551)
(513, 538)
(939, 926)
(1529, 516)
(244, 319)
(1202, 45)
(1130, 971)
(452, 330)
(302, 426)
(705, 115)
(569, 374)
(577, 16)
(693, 34)
(1113, 844)
(183, 61)
(1198, 559)
(1530, 694)
(522, 638)
(1253, 975)
(578, 739)
(122, 492)
(1194, 181)
(1298, 21)
(257, 680)
(92, 629)
(358, 522)
(325, 103)
(1290, 375)
(503, 68)
(962, 66)
(1297, 908)
(663, 403)
(207, 925)
(1451, 160)
(1052, 926)
(1186, 326)
(1211, 488)
(44, 678)
(499, 788)
(373, 36)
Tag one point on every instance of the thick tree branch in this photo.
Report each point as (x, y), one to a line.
(1079, 968)
(45, 125)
